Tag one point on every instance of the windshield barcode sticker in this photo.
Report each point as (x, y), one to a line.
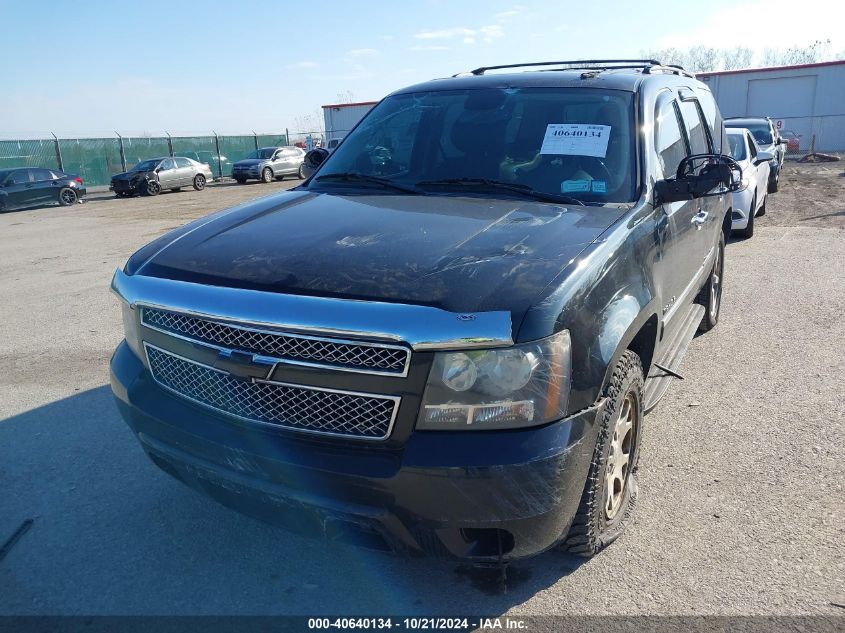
(576, 139)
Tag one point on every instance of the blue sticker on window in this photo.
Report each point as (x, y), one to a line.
(574, 185)
(599, 186)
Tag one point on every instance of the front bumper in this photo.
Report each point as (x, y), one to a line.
(123, 186)
(467, 495)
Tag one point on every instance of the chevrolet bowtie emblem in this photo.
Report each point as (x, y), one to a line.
(242, 365)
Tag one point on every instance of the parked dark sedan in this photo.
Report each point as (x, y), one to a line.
(28, 186)
(149, 177)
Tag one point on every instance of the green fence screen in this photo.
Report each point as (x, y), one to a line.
(96, 160)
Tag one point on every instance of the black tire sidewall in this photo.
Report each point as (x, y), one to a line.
(152, 188)
(61, 199)
(199, 182)
(631, 381)
(264, 173)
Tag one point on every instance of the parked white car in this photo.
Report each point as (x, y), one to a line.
(750, 201)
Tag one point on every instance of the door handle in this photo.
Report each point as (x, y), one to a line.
(699, 218)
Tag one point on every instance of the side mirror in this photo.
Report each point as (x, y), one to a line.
(782, 141)
(312, 161)
(763, 156)
(158, 169)
(698, 176)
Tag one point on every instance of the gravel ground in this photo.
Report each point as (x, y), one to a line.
(741, 483)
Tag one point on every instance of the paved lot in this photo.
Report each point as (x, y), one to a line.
(741, 469)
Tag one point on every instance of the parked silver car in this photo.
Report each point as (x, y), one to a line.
(150, 177)
(767, 138)
(270, 163)
(750, 201)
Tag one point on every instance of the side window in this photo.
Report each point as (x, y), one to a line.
(167, 164)
(20, 177)
(714, 121)
(752, 146)
(39, 175)
(696, 133)
(182, 162)
(668, 139)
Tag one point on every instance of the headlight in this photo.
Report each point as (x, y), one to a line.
(132, 329)
(520, 386)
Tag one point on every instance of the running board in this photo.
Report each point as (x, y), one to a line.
(658, 380)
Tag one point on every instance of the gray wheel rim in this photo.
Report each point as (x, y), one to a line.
(268, 176)
(716, 285)
(200, 181)
(152, 187)
(620, 456)
(68, 197)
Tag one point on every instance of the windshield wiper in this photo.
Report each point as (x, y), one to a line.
(502, 185)
(352, 176)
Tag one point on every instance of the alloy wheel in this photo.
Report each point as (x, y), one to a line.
(68, 196)
(716, 285)
(621, 454)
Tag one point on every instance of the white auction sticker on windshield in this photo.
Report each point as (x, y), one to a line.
(576, 139)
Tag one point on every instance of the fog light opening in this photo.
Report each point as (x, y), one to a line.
(486, 541)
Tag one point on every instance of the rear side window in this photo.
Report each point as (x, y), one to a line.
(668, 139)
(41, 174)
(714, 120)
(20, 176)
(182, 162)
(696, 133)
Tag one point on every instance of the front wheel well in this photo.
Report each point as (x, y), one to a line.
(726, 223)
(644, 342)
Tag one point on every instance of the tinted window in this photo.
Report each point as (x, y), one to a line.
(752, 147)
(20, 176)
(695, 127)
(182, 162)
(579, 142)
(737, 144)
(39, 175)
(668, 140)
(713, 118)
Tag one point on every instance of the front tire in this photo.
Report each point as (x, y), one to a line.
(151, 188)
(240, 181)
(267, 175)
(710, 295)
(199, 182)
(301, 172)
(67, 197)
(610, 493)
(773, 183)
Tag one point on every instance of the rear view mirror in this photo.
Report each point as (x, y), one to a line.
(698, 176)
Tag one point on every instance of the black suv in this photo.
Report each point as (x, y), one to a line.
(446, 339)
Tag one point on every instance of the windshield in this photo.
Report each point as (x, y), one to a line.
(571, 141)
(737, 144)
(147, 165)
(264, 152)
(761, 132)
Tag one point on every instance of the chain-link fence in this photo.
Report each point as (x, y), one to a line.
(96, 160)
(809, 136)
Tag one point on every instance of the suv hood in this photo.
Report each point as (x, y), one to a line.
(249, 162)
(462, 254)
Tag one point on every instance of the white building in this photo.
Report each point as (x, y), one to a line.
(808, 99)
(340, 118)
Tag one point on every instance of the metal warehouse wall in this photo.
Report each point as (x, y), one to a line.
(341, 118)
(810, 99)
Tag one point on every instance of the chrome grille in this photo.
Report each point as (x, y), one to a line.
(303, 408)
(345, 355)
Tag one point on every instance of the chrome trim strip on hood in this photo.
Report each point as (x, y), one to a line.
(421, 327)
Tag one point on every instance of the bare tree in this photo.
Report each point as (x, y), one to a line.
(738, 57)
(702, 58)
(809, 54)
(347, 96)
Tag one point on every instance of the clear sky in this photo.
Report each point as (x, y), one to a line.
(90, 67)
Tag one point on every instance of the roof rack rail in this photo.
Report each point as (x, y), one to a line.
(647, 65)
